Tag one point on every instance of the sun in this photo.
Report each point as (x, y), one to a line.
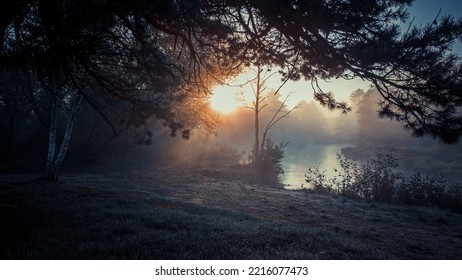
(224, 99)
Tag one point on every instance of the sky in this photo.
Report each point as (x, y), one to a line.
(424, 11)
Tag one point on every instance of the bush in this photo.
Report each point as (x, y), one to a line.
(318, 180)
(267, 165)
(421, 190)
(379, 180)
(373, 180)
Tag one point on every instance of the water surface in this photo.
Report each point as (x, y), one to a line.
(295, 166)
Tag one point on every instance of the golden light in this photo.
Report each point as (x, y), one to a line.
(224, 99)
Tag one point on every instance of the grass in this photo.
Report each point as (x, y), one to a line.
(42, 220)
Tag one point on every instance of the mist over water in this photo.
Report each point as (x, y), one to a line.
(324, 156)
(314, 139)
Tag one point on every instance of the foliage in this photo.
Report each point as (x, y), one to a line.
(137, 59)
(124, 58)
(142, 50)
(267, 164)
(317, 179)
(378, 179)
(412, 68)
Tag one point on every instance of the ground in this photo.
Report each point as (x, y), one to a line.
(170, 211)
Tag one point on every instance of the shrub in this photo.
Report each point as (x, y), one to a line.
(373, 180)
(267, 165)
(379, 180)
(318, 180)
(421, 190)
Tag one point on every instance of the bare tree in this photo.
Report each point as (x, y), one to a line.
(259, 102)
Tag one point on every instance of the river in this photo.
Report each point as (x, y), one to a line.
(295, 166)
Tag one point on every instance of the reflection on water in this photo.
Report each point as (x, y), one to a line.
(295, 166)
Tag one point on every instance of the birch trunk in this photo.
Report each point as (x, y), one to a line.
(67, 136)
(51, 141)
(54, 162)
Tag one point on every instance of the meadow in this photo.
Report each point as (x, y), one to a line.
(184, 212)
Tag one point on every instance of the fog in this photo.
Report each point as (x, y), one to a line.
(425, 154)
(305, 127)
(315, 136)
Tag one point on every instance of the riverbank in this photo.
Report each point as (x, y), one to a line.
(180, 212)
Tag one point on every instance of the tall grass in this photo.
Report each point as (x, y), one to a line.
(379, 179)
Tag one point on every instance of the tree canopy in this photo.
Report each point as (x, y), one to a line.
(411, 66)
(150, 53)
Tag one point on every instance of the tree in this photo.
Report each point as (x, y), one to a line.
(147, 53)
(260, 102)
(412, 69)
(139, 58)
(266, 156)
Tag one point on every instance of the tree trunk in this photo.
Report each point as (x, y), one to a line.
(67, 136)
(51, 141)
(257, 111)
(257, 136)
(263, 140)
(54, 163)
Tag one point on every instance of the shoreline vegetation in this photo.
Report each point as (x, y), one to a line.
(168, 211)
(379, 178)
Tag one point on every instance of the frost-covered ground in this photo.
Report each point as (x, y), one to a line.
(184, 212)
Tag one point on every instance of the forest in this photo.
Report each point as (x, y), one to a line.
(116, 129)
